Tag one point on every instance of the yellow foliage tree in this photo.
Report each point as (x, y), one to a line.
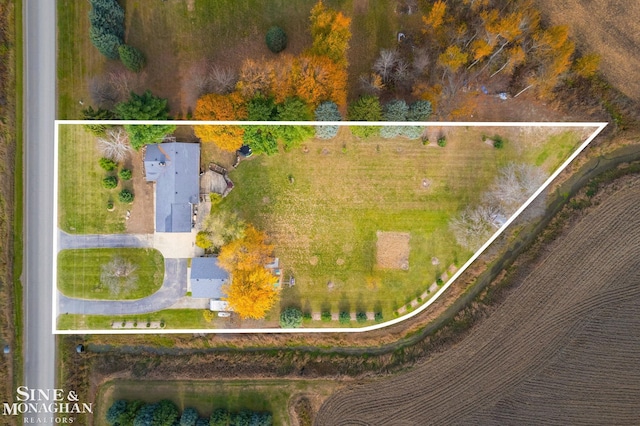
(453, 58)
(252, 292)
(587, 65)
(331, 33)
(246, 253)
(435, 18)
(229, 107)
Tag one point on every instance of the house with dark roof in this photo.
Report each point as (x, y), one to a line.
(207, 278)
(175, 169)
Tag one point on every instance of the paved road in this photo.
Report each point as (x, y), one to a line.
(40, 98)
(68, 241)
(173, 288)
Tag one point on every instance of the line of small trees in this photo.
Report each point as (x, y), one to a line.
(293, 317)
(107, 34)
(166, 413)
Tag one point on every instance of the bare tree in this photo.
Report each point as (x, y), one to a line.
(118, 275)
(473, 227)
(386, 63)
(514, 185)
(125, 82)
(115, 144)
(222, 79)
(103, 94)
(371, 83)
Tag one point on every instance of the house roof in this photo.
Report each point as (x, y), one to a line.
(207, 278)
(175, 168)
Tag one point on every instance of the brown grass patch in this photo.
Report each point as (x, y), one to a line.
(392, 250)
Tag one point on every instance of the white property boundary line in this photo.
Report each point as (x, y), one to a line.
(598, 128)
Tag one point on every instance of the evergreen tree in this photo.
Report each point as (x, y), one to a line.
(131, 57)
(97, 114)
(395, 110)
(144, 107)
(276, 39)
(327, 111)
(291, 318)
(366, 108)
(107, 27)
(114, 412)
(166, 414)
(189, 417)
(293, 109)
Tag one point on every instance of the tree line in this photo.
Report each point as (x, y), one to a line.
(166, 413)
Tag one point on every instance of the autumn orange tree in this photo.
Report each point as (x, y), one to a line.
(229, 107)
(252, 291)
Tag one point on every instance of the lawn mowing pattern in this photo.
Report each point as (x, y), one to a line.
(79, 272)
(323, 204)
(563, 346)
(82, 202)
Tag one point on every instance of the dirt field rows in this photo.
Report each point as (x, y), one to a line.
(564, 347)
(609, 27)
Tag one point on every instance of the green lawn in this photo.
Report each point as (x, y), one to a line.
(205, 396)
(79, 273)
(173, 319)
(82, 203)
(324, 224)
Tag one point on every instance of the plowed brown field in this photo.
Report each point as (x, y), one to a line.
(609, 27)
(563, 348)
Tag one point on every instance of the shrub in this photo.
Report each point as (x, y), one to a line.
(344, 318)
(361, 317)
(107, 164)
(325, 316)
(125, 196)
(203, 240)
(125, 174)
(291, 318)
(307, 315)
(208, 315)
(276, 39)
(442, 141)
(498, 142)
(109, 205)
(378, 316)
(110, 182)
(439, 281)
(131, 57)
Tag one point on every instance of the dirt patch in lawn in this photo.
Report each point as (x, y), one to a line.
(141, 216)
(392, 250)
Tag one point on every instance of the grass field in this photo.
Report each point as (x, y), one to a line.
(82, 202)
(79, 273)
(562, 346)
(205, 396)
(344, 191)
